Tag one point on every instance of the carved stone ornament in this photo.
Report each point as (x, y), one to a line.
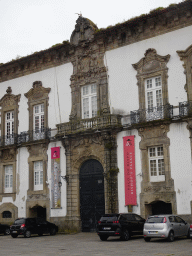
(84, 30)
(9, 99)
(151, 62)
(186, 57)
(8, 155)
(37, 92)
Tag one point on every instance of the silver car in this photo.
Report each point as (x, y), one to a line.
(165, 226)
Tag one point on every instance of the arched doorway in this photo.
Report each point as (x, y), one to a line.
(92, 201)
(158, 207)
(38, 211)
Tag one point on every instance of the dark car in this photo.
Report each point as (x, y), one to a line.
(4, 229)
(123, 225)
(28, 226)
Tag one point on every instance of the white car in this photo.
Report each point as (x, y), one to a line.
(165, 226)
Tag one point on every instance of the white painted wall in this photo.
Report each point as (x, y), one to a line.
(181, 166)
(123, 89)
(120, 162)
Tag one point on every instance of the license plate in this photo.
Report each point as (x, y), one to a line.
(106, 228)
(153, 232)
(14, 231)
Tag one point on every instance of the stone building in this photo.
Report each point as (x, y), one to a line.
(66, 112)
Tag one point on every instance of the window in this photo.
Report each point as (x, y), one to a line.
(8, 183)
(38, 121)
(156, 164)
(9, 128)
(38, 175)
(154, 100)
(89, 101)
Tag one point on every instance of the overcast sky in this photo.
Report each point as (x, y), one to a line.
(27, 26)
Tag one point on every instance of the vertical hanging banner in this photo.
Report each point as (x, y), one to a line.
(129, 170)
(55, 177)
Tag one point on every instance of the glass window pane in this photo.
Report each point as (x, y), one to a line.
(86, 108)
(159, 98)
(36, 109)
(158, 81)
(161, 167)
(150, 99)
(94, 106)
(93, 88)
(149, 83)
(153, 168)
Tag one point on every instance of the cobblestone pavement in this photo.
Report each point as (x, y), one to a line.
(89, 244)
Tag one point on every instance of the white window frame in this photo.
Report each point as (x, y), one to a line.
(89, 101)
(8, 178)
(154, 98)
(38, 175)
(156, 164)
(38, 121)
(9, 127)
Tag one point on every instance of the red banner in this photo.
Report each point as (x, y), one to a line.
(55, 152)
(129, 170)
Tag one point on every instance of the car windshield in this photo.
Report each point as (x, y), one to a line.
(19, 221)
(155, 220)
(109, 218)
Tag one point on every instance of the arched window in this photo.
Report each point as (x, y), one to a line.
(7, 214)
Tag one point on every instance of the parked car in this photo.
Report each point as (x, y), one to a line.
(165, 226)
(123, 225)
(28, 226)
(191, 231)
(4, 229)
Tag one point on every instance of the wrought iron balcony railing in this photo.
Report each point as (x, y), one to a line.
(185, 108)
(23, 137)
(151, 114)
(90, 123)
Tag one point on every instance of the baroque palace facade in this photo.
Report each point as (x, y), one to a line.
(100, 124)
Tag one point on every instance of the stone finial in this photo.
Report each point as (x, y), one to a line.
(84, 30)
(37, 84)
(9, 90)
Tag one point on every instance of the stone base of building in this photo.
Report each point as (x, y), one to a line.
(67, 224)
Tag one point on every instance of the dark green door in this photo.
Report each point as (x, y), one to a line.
(92, 202)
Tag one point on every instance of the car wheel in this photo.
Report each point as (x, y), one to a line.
(170, 236)
(7, 232)
(27, 233)
(147, 239)
(14, 235)
(125, 236)
(188, 234)
(103, 238)
(53, 232)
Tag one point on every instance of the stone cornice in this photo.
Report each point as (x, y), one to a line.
(134, 30)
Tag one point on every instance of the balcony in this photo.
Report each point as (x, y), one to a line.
(185, 108)
(151, 114)
(96, 123)
(24, 137)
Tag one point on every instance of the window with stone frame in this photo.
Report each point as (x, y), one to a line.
(153, 96)
(152, 74)
(38, 110)
(38, 121)
(8, 178)
(156, 164)
(38, 175)
(9, 127)
(89, 101)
